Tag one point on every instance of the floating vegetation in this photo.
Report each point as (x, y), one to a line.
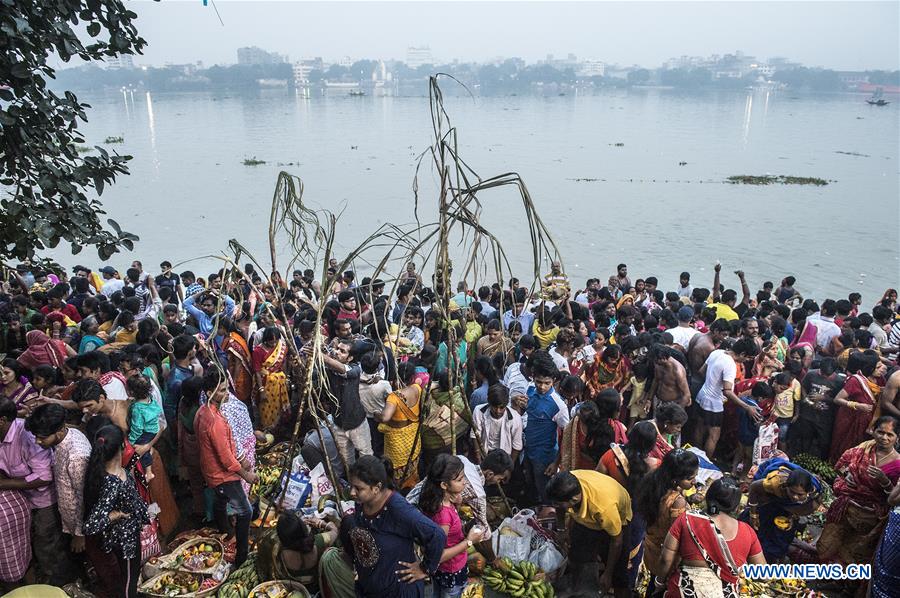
(587, 180)
(768, 179)
(83, 149)
(619, 144)
(853, 154)
(253, 161)
(112, 139)
(288, 163)
(682, 163)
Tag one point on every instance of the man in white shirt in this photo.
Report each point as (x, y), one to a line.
(882, 316)
(111, 284)
(684, 332)
(719, 373)
(373, 392)
(496, 425)
(825, 325)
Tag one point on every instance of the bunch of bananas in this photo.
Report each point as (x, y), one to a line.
(776, 588)
(267, 477)
(241, 581)
(520, 580)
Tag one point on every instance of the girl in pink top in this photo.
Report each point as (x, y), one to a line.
(446, 480)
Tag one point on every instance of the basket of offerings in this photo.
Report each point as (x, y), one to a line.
(180, 583)
(200, 555)
(279, 589)
(776, 588)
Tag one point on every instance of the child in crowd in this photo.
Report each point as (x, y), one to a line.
(785, 412)
(143, 419)
(761, 395)
(639, 404)
(446, 480)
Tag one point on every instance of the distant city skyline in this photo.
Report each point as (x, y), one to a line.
(836, 35)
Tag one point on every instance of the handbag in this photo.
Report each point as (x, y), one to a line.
(150, 540)
(728, 590)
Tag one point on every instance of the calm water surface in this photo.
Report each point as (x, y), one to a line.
(188, 192)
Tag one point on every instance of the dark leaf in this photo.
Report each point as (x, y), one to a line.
(20, 70)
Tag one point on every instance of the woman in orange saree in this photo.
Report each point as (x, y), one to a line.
(240, 365)
(268, 364)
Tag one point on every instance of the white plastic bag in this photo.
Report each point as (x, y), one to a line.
(321, 483)
(547, 557)
(766, 443)
(513, 540)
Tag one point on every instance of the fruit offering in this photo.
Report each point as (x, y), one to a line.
(776, 588)
(241, 581)
(174, 584)
(199, 557)
(473, 590)
(267, 478)
(521, 580)
(276, 589)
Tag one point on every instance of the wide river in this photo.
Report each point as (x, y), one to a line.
(655, 159)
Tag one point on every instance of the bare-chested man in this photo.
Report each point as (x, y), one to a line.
(890, 396)
(670, 379)
(699, 349)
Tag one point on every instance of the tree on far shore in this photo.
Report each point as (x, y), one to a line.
(48, 186)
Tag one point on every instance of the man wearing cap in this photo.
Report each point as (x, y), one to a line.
(684, 332)
(111, 282)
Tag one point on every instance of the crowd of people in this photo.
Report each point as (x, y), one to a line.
(131, 406)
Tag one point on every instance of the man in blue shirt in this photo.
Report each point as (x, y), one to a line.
(209, 304)
(547, 414)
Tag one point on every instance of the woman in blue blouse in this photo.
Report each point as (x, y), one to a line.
(387, 530)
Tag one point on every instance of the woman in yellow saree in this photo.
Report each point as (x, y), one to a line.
(268, 365)
(400, 426)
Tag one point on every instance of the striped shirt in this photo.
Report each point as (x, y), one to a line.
(15, 535)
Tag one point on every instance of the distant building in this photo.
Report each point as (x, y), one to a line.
(853, 79)
(591, 68)
(302, 69)
(189, 69)
(122, 61)
(416, 57)
(255, 55)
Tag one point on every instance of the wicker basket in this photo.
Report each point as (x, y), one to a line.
(290, 586)
(146, 588)
(172, 561)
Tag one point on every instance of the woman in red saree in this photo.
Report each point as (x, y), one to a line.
(858, 515)
(608, 370)
(705, 550)
(240, 365)
(269, 359)
(856, 403)
(591, 431)
(43, 350)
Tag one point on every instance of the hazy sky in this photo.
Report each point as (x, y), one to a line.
(842, 35)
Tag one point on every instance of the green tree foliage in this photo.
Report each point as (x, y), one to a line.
(47, 183)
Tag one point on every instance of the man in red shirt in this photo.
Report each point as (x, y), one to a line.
(55, 302)
(220, 466)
